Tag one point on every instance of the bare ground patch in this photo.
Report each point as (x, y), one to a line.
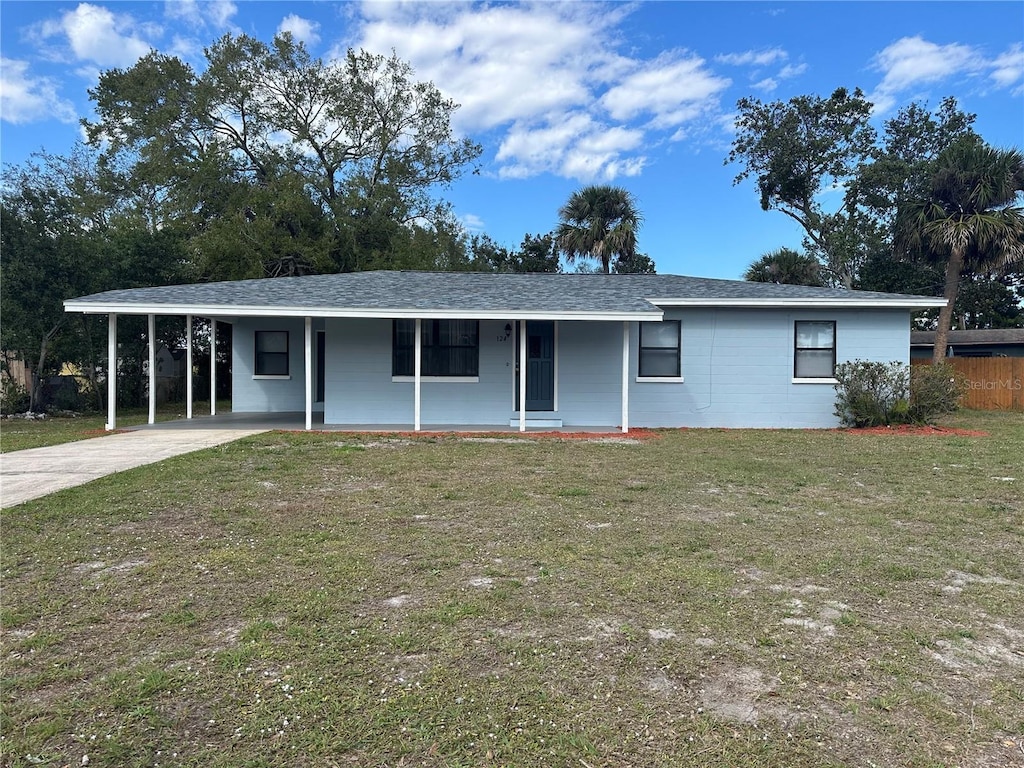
(740, 694)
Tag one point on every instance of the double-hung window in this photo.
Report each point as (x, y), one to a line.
(814, 355)
(660, 350)
(449, 348)
(271, 353)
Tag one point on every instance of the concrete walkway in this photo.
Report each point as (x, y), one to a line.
(36, 472)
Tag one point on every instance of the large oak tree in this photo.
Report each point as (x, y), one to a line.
(316, 165)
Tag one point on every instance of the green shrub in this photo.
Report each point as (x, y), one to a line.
(935, 390)
(879, 394)
(13, 396)
(870, 394)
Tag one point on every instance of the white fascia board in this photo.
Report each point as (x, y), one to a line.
(213, 310)
(925, 302)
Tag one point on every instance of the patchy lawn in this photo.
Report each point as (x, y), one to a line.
(710, 597)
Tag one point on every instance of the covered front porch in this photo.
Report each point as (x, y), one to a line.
(307, 380)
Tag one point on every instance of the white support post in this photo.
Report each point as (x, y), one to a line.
(625, 376)
(111, 372)
(151, 333)
(555, 400)
(213, 367)
(188, 366)
(522, 375)
(416, 377)
(309, 373)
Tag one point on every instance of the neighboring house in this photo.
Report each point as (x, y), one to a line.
(544, 350)
(991, 342)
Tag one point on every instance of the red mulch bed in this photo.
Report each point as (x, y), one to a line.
(915, 430)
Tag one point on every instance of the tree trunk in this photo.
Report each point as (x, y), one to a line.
(37, 389)
(953, 268)
(44, 351)
(91, 365)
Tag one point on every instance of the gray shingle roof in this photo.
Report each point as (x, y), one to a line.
(982, 336)
(470, 293)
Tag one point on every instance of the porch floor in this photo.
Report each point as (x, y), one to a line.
(296, 420)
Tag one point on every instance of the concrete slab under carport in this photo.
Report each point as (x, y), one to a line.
(37, 472)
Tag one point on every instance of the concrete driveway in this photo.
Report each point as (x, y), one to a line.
(36, 472)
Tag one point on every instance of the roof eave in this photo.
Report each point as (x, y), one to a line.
(806, 303)
(234, 310)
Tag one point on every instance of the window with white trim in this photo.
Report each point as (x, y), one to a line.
(448, 348)
(660, 345)
(271, 353)
(814, 353)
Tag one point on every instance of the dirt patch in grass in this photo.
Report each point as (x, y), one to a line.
(741, 695)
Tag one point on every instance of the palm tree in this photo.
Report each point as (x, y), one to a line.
(967, 220)
(785, 266)
(598, 222)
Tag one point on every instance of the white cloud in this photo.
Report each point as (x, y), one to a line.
(673, 88)
(501, 63)
(27, 99)
(792, 70)
(184, 10)
(95, 35)
(215, 13)
(575, 146)
(769, 84)
(219, 12)
(913, 61)
(472, 223)
(195, 20)
(185, 48)
(528, 150)
(545, 78)
(1008, 67)
(302, 29)
(760, 58)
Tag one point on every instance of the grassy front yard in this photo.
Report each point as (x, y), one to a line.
(710, 597)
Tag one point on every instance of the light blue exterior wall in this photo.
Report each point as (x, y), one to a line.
(589, 369)
(737, 367)
(737, 371)
(360, 389)
(252, 395)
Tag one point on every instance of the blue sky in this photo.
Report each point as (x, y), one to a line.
(640, 95)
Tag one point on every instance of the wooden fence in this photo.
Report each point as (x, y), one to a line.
(994, 383)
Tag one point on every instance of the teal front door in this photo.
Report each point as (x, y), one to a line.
(540, 365)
